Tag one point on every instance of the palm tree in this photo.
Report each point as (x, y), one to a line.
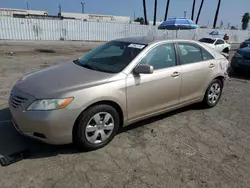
(198, 16)
(217, 13)
(155, 12)
(167, 7)
(145, 12)
(194, 1)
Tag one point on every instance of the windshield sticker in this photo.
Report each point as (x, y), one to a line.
(139, 46)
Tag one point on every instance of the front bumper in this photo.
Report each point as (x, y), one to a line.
(52, 127)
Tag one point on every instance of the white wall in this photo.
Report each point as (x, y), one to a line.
(38, 29)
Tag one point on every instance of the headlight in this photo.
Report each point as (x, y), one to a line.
(49, 104)
(237, 55)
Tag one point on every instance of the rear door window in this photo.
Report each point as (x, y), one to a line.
(160, 57)
(189, 53)
(206, 55)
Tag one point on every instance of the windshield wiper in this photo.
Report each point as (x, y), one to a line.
(77, 61)
(87, 66)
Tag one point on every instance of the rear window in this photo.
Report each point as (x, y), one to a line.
(207, 40)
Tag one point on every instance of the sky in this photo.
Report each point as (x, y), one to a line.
(231, 10)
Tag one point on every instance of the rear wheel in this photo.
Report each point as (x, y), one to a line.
(213, 93)
(97, 126)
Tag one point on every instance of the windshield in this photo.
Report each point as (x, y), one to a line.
(111, 57)
(207, 40)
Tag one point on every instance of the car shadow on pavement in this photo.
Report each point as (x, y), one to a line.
(160, 117)
(11, 142)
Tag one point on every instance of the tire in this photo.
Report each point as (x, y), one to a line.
(84, 139)
(208, 103)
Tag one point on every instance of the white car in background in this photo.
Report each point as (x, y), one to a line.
(218, 44)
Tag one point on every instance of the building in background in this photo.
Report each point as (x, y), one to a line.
(38, 14)
(95, 17)
(21, 13)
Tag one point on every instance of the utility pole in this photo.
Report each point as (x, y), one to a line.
(216, 14)
(145, 12)
(134, 15)
(192, 18)
(185, 14)
(166, 13)
(27, 5)
(198, 16)
(155, 12)
(60, 11)
(83, 4)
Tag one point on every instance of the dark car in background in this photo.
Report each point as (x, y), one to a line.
(241, 60)
(246, 43)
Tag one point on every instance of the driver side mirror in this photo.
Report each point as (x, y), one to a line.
(144, 69)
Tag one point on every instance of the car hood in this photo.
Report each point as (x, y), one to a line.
(56, 81)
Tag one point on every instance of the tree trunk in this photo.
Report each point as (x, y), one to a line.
(155, 12)
(217, 13)
(198, 16)
(145, 12)
(166, 13)
(194, 1)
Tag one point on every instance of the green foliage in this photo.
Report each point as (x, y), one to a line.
(245, 20)
(140, 19)
(233, 28)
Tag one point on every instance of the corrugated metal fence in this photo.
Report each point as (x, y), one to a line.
(38, 29)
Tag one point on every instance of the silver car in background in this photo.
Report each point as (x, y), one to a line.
(87, 100)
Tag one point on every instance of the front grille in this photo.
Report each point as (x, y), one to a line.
(16, 100)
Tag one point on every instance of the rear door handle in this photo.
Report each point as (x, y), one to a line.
(175, 74)
(211, 65)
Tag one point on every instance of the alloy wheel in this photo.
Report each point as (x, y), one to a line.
(214, 93)
(99, 128)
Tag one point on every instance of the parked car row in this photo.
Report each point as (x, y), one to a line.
(217, 44)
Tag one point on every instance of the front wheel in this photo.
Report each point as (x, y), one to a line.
(213, 93)
(97, 126)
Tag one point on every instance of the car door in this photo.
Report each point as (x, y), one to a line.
(197, 67)
(148, 94)
(219, 45)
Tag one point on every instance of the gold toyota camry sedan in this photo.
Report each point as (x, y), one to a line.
(87, 100)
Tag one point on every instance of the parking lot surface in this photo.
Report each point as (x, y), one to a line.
(191, 147)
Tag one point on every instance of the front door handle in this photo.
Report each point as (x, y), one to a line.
(175, 74)
(211, 65)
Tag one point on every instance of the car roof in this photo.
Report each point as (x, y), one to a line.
(147, 40)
